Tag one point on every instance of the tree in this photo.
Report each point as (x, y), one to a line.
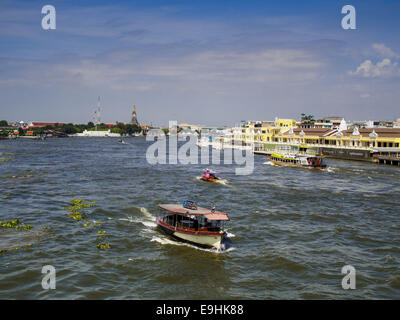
(3, 123)
(69, 128)
(132, 128)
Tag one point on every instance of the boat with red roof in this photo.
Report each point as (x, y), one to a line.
(199, 226)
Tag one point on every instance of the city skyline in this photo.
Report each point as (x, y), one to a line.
(209, 63)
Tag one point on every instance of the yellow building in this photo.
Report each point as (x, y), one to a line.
(282, 134)
(259, 132)
(285, 123)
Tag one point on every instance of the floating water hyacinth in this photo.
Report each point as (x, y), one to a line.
(77, 208)
(102, 244)
(91, 223)
(15, 225)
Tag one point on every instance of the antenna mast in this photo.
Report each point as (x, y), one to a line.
(98, 119)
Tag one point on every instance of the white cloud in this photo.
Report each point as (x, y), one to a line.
(134, 70)
(385, 68)
(385, 51)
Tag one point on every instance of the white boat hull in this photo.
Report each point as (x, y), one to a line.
(204, 240)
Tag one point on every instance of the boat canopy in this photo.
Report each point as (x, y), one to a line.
(179, 209)
(217, 216)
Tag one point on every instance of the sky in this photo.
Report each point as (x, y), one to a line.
(200, 62)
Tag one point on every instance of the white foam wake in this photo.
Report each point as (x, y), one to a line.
(167, 241)
(147, 214)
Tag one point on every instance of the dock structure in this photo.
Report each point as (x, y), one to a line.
(388, 156)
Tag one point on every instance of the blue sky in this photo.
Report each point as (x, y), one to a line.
(204, 62)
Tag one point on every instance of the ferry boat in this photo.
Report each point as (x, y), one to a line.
(297, 160)
(199, 226)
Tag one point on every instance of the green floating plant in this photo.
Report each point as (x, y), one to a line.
(91, 223)
(15, 224)
(103, 245)
(101, 238)
(77, 212)
(77, 208)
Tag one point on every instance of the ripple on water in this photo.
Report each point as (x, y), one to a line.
(292, 230)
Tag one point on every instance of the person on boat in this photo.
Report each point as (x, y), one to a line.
(209, 174)
(189, 205)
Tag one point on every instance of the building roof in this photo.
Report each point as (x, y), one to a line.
(364, 132)
(309, 131)
(179, 209)
(381, 132)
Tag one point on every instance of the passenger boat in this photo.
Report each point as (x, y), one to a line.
(199, 226)
(297, 160)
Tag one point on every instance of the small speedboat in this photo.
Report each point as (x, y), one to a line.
(209, 176)
(199, 226)
(121, 142)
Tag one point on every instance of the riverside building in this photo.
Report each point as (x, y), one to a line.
(380, 144)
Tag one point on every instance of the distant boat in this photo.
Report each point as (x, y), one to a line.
(122, 142)
(199, 226)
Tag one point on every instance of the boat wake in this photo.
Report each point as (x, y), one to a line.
(270, 164)
(149, 224)
(230, 235)
(221, 181)
(163, 240)
(146, 213)
(148, 220)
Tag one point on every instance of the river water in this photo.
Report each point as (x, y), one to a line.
(292, 230)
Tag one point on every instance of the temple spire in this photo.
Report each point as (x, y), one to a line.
(134, 117)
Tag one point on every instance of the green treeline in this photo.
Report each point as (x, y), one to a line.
(70, 128)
